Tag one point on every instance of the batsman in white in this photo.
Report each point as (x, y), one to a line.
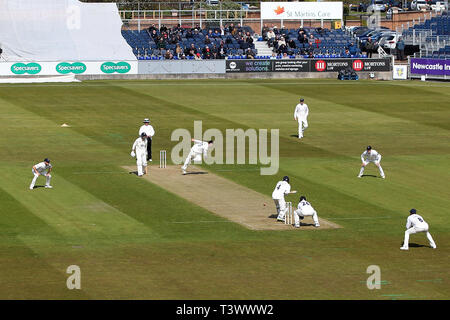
(139, 150)
(42, 169)
(199, 148)
(371, 155)
(281, 189)
(301, 115)
(414, 224)
(304, 209)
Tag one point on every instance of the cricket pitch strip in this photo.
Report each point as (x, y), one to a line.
(225, 198)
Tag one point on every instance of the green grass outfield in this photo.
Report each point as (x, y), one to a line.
(120, 229)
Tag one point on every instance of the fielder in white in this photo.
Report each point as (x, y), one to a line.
(373, 156)
(305, 209)
(281, 189)
(42, 169)
(199, 148)
(414, 224)
(301, 115)
(139, 150)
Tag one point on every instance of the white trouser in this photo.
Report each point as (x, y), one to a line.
(191, 155)
(280, 204)
(377, 163)
(303, 213)
(37, 175)
(416, 230)
(141, 162)
(302, 126)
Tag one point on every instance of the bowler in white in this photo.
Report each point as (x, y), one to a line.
(305, 209)
(139, 150)
(198, 149)
(368, 156)
(414, 224)
(301, 115)
(281, 189)
(42, 169)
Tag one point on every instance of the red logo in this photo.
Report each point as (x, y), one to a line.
(279, 10)
(321, 65)
(358, 65)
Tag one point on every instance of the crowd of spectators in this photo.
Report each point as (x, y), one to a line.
(305, 43)
(197, 43)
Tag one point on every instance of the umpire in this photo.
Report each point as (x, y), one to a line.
(150, 132)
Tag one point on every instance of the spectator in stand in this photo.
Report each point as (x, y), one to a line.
(231, 28)
(222, 51)
(189, 34)
(151, 28)
(270, 37)
(198, 56)
(222, 30)
(400, 47)
(206, 53)
(168, 55)
(284, 31)
(353, 49)
(154, 34)
(191, 51)
(250, 54)
(292, 44)
(207, 40)
(304, 38)
(282, 48)
(163, 29)
(275, 29)
(178, 51)
(369, 47)
(249, 39)
(239, 28)
(265, 29)
(346, 54)
(274, 56)
(162, 43)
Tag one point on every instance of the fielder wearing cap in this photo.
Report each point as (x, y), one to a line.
(150, 132)
(301, 115)
(371, 155)
(42, 169)
(139, 150)
(281, 189)
(415, 223)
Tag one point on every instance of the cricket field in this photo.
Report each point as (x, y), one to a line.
(135, 239)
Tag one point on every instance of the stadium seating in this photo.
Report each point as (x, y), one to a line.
(440, 28)
(331, 44)
(145, 47)
(327, 44)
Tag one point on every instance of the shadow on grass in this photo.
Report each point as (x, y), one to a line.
(135, 173)
(195, 172)
(294, 135)
(369, 175)
(36, 187)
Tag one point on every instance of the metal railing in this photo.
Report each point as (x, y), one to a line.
(192, 17)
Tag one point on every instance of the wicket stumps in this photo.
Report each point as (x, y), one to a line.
(289, 218)
(162, 159)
